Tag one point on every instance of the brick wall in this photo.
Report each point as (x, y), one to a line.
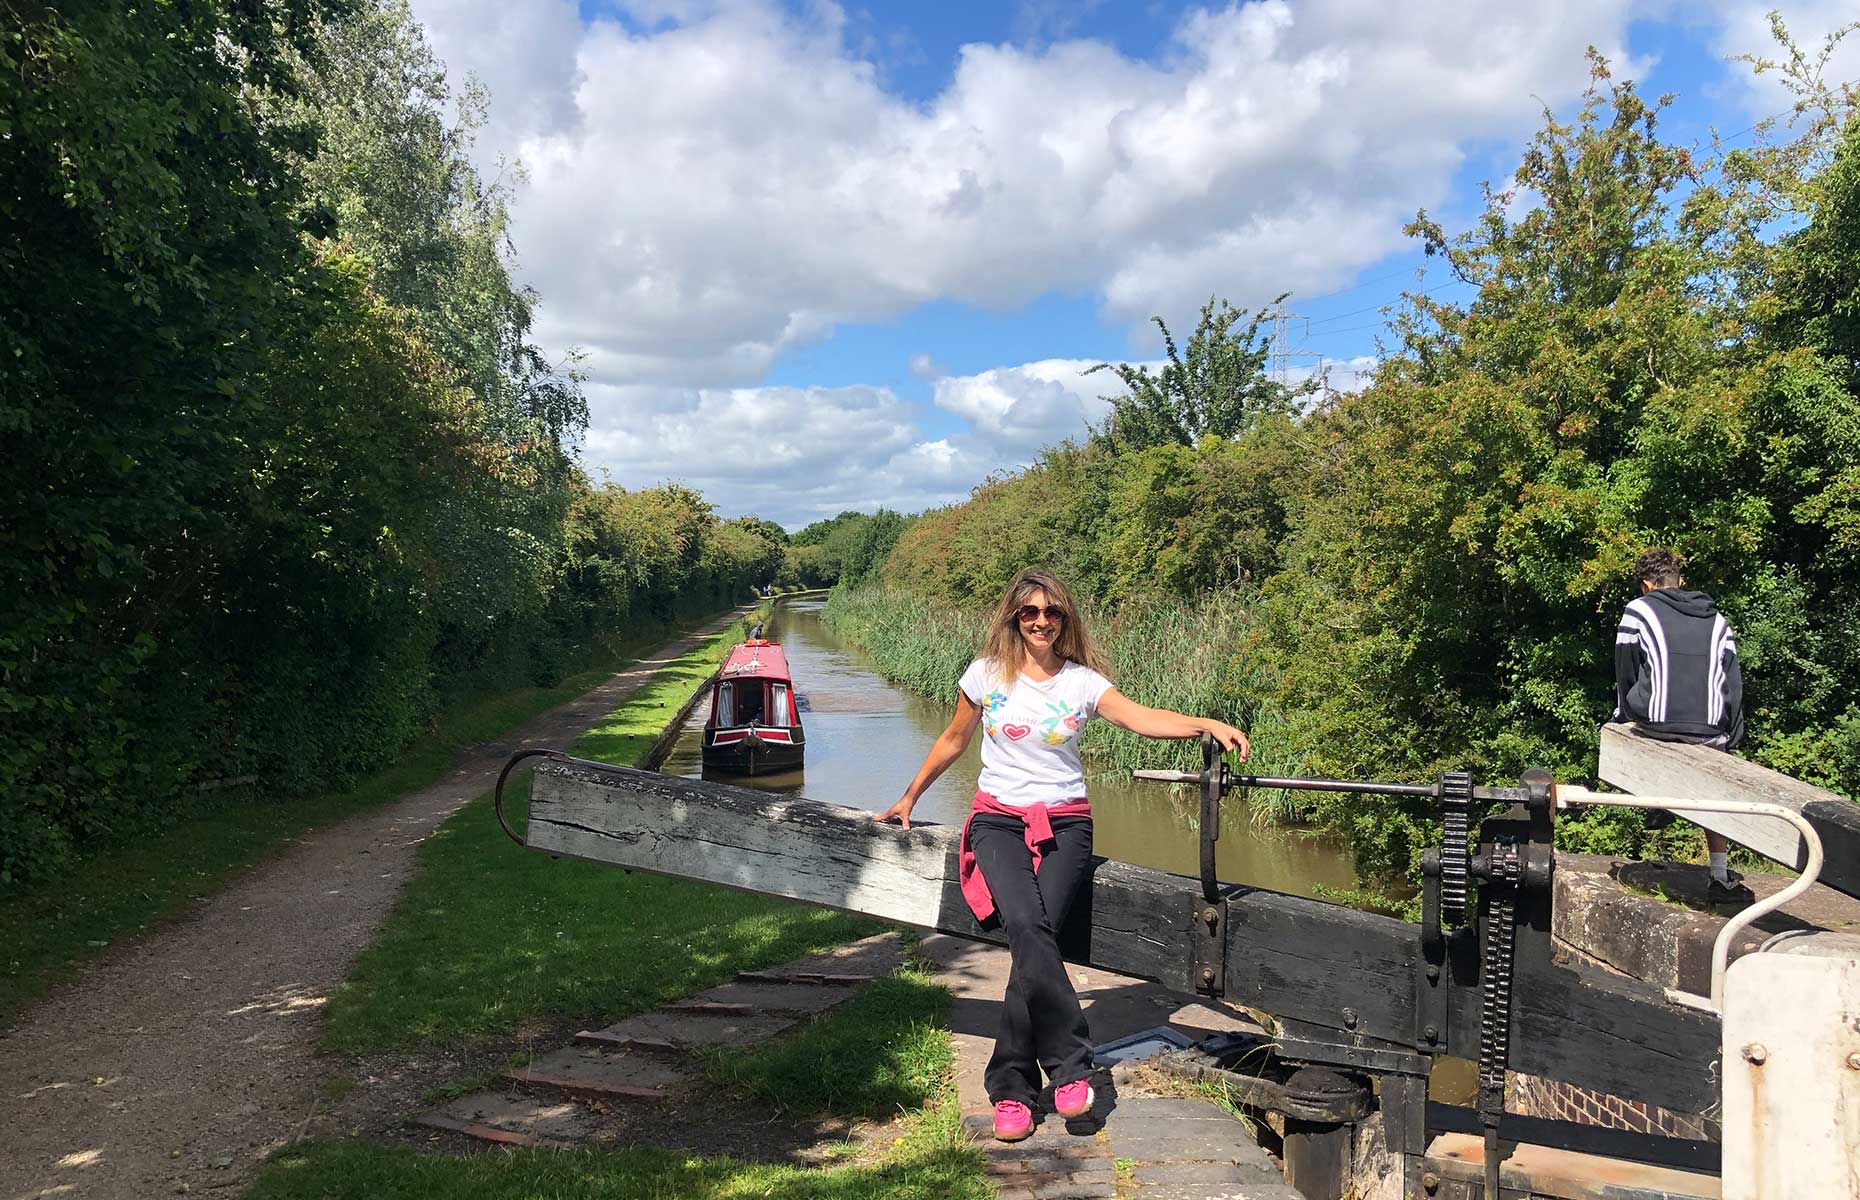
(1533, 1096)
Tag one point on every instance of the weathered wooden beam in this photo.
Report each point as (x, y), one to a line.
(1648, 767)
(1350, 972)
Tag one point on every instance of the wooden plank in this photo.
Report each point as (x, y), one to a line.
(1649, 767)
(1350, 972)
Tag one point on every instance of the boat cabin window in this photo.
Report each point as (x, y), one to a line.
(725, 704)
(782, 712)
(749, 703)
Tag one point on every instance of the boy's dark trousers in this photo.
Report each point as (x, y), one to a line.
(1042, 1026)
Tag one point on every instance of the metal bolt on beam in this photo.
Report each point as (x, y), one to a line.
(1853, 1061)
(1430, 1183)
(1756, 1054)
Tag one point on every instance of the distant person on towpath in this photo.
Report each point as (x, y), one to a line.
(1026, 847)
(1677, 679)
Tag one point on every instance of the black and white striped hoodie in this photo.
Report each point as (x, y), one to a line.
(1676, 672)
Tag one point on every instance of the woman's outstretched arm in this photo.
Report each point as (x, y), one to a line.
(947, 748)
(1125, 713)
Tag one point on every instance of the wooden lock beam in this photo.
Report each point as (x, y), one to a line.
(1349, 972)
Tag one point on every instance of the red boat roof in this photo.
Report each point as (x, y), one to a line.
(758, 658)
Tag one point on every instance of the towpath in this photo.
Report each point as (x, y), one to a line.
(173, 1064)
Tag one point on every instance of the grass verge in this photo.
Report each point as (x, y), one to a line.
(931, 1161)
(487, 939)
(884, 1050)
(122, 891)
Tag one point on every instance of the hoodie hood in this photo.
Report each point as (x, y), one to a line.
(1691, 604)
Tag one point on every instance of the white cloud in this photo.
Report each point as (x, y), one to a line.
(925, 367)
(524, 54)
(1019, 409)
(788, 454)
(1744, 28)
(728, 179)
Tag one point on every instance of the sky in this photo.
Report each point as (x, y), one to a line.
(820, 256)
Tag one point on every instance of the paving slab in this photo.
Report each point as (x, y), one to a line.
(1159, 1129)
(1206, 1181)
(770, 998)
(593, 1071)
(692, 1031)
(513, 1118)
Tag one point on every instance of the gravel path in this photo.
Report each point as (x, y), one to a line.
(176, 1063)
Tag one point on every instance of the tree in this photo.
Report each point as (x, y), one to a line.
(1220, 388)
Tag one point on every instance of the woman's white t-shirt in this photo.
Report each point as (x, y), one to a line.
(1030, 744)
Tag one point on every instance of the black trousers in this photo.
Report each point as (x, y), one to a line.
(1042, 1026)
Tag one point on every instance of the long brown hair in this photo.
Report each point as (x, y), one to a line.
(1004, 645)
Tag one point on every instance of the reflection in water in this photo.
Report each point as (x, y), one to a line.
(865, 738)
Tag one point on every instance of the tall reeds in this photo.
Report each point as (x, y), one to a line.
(1165, 652)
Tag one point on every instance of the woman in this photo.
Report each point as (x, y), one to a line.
(1026, 847)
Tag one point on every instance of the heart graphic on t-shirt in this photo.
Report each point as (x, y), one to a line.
(1017, 732)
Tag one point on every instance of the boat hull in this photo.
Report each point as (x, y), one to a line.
(754, 751)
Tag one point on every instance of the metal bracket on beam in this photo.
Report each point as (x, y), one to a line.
(1208, 937)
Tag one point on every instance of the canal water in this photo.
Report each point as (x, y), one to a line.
(866, 739)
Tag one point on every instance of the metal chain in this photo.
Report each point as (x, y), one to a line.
(1495, 1015)
(1500, 936)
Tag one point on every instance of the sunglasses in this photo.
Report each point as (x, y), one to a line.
(1033, 612)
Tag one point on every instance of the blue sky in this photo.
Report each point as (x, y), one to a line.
(822, 256)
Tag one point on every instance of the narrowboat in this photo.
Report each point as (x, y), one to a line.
(755, 725)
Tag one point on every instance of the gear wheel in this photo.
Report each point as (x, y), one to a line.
(1456, 796)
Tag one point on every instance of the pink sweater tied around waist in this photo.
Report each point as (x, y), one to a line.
(1038, 819)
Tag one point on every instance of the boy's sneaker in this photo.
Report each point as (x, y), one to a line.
(1073, 1100)
(1013, 1120)
(1733, 892)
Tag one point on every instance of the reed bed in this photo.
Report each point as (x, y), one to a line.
(1165, 652)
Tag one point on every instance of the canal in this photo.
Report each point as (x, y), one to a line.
(866, 738)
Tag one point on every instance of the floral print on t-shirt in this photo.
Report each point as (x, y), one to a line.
(1061, 723)
(992, 704)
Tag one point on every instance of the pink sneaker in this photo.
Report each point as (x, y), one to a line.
(1013, 1120)
(1073, 1100)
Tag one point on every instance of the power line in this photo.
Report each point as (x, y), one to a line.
(1357, 312)
(1360, 286)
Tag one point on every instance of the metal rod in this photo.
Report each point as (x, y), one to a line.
(1296, 785)
(1567, 795)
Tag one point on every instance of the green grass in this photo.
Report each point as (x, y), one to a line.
(884, 1050)
(931, 1161)
(489, 939)
(122, 891)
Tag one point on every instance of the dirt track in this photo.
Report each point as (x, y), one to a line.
(176, 1062)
